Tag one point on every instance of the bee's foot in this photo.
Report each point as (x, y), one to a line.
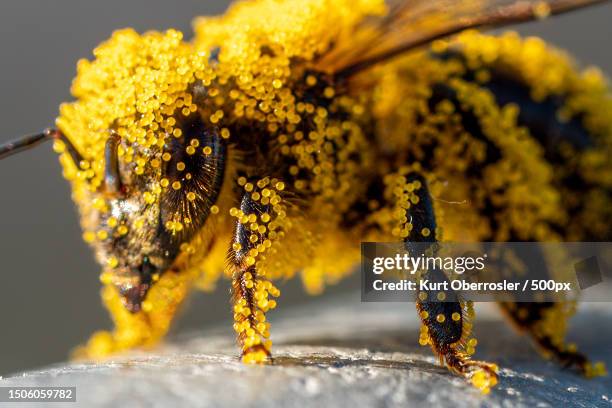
(570, 358)
(257, 354)
(591, 370)
(481, 374)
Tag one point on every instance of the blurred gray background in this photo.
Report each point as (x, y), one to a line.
(48, 280)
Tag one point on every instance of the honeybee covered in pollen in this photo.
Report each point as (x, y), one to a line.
(287, 131)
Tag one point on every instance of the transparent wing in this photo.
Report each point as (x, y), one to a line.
(412, 23)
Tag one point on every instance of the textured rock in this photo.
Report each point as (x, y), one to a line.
(344, 353)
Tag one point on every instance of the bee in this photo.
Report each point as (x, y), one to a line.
(287, 131)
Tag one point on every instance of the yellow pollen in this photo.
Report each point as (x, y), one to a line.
(112, 222)
(112, 262)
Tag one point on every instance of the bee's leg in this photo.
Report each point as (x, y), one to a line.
(546, 323)
(446, 319)
(251, 290)
(144, 328)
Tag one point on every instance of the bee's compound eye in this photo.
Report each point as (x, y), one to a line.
(192, 176)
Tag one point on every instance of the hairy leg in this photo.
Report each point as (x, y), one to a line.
(446, 318)
(404, 209)
(257, 227)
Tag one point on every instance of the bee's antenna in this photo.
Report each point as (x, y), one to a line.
(27, 142)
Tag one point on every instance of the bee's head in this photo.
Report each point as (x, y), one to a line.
(145, 162)
(153, 159)
(151, 201)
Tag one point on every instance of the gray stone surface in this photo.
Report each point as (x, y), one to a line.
(341, 354)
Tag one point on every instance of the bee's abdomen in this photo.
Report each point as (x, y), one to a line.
(564, 143)
(516, 135)
(560, 125)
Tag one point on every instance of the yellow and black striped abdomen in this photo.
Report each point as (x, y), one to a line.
(515, 135)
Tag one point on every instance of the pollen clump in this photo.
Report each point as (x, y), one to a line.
(134, 85)
(483, 380)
